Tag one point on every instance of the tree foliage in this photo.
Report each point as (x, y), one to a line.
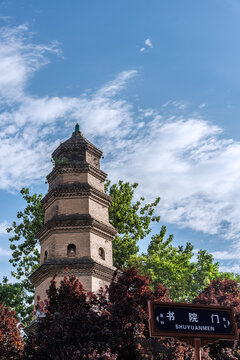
(224, 293)
(25, 255)
(108, 325)
(174, 267)
(11, 344)
(72, 327)
(113, 324)
(15, 297)
(132, 220)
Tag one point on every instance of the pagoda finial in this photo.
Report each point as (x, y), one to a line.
(77, 131)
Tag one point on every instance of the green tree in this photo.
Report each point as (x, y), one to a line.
(15, 297)
(174, 267)
(25, 255)
(132, 220)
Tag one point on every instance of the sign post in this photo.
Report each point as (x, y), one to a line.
(196, 325)
(197, 348)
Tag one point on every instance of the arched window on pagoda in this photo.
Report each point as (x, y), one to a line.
(101, 253)
(71, 250)
(45, 255)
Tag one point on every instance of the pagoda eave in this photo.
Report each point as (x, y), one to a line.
(87, 168)
(71, 223)
(71, 190)
(84, 266)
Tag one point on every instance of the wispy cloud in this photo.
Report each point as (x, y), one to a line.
(234, 267)
(147, 44)
(26, 121)
(19, 59)
(195, 171)
(229, 258)
(226, 255)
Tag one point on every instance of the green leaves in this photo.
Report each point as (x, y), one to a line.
(16, 297)
(174, 267)
(25, 256)
(131, 218)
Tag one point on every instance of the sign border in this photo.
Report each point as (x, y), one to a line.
(154, 332)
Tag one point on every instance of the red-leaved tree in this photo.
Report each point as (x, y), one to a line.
(11, 344)
(223, 293)
(111, 324)
(72, 327)
(128, 306)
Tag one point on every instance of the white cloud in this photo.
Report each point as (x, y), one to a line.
(113, 87)
(19, 59)
(148, 42)
(195, 172)
(235, 268)
(27, 121)
(226, 255)
(177, 105)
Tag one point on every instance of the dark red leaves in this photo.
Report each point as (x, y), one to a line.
(11, 344)
(113, 324)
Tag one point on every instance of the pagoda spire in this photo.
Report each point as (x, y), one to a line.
(77, 128)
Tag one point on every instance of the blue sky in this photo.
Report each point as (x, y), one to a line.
(154, 84)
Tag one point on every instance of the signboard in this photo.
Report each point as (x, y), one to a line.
(195, 321)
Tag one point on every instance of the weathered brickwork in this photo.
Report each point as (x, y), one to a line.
(77, 205)
(67, 206)
(97, 242)
(99, 185)
(76, 232)
(56, 245)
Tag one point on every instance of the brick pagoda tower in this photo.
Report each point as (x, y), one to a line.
(76, 234)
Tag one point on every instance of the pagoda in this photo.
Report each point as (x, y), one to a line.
(76, 233)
